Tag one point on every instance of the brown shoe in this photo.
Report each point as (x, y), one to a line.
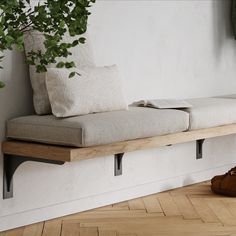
(225, 184)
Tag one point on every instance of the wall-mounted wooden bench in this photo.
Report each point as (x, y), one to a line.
(17, 152)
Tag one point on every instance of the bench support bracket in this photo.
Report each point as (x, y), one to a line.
(118, 164)
(10, 165)
(199, 148)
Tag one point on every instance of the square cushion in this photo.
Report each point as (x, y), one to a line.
(211, 112)
(99, 128)
(82, 55)
(92, 90)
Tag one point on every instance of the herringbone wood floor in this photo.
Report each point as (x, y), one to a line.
(191, 210)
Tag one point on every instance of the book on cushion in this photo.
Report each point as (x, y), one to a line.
(164, 103)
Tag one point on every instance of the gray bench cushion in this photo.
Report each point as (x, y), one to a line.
(211, 112)
(100, 128)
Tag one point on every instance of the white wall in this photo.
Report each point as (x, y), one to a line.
(164, 49)
(167, 48)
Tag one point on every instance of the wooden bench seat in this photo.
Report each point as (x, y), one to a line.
(18, 152)
(69, 154)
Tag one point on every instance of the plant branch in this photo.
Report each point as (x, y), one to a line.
(27, 26)
(51, 18)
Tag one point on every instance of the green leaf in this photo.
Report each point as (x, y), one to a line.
(75, 43)
(9, 39)
(60, 64)
(69, 65)
(72, 74)
(41, 68)
(62, 24)
(2, 85)
(20, 47)
(82, 40)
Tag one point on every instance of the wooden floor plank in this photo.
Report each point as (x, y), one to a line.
(188, 234)
(143, 221)
(185, 207)
(105, 208)
(151, 227)
(121, 206)
(221, 211)
(15, 232)
(203, 210)
(92, 231)
(152, 204)
(110, 215)
(69, 229)
(52, 228)
(128, 234)
(168, 205)
(107, 233)
(137, 204)
(191, 190)
(231, 206)
(34, 230)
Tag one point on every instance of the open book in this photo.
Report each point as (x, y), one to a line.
(164, 103)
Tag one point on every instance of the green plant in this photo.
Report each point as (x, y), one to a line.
(53, 18)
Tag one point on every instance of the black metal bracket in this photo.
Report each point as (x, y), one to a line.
(10, 165)
(118, 164)
(199, 148)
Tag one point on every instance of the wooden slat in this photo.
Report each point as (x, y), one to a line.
(36, 150)
(121, 206)
(52, 228)
(168, 205)
(221, 211)
(231, 206)
(68, 154)
(15, 232)
(136, 204)
(110, 215)
(152, 204)
(34, 230)
(70, 229)
(185, 207)
(127, 234)
(92, 231)
(107, 233)
(203, 210)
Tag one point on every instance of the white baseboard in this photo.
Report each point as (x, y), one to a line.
(79, 205)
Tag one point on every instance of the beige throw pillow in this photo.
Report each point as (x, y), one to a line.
(96, 89)
(82, 55)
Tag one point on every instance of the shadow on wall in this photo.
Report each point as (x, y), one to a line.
(221, 25)
(16, 97)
